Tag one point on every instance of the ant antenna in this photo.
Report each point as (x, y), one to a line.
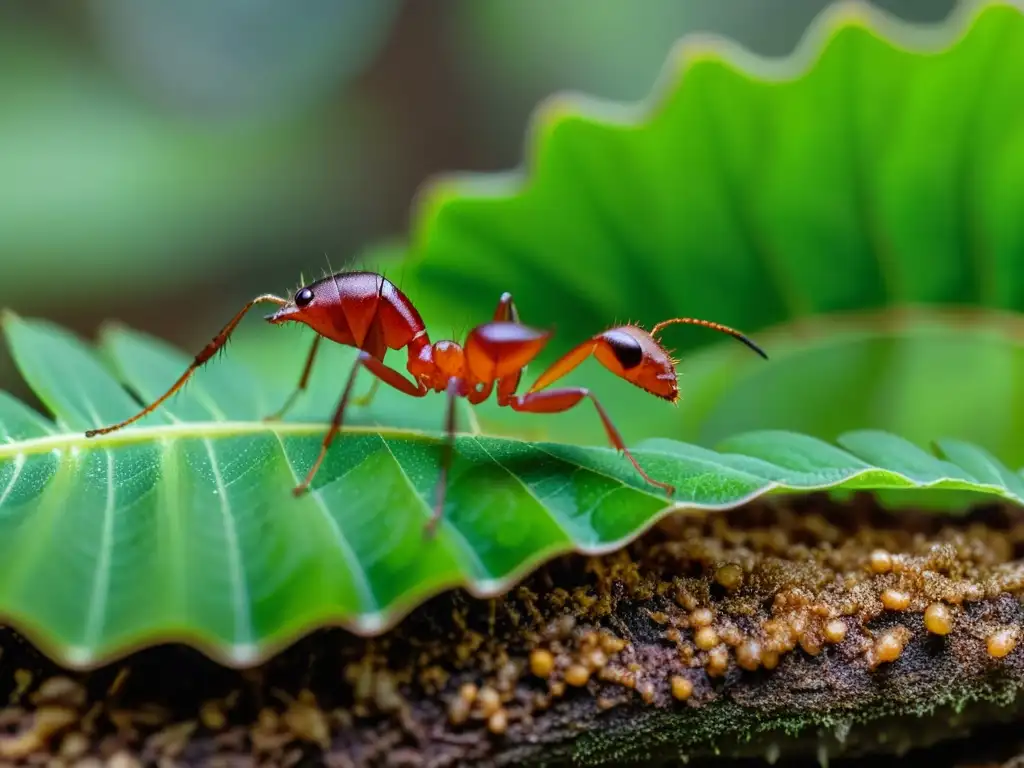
(713, 326)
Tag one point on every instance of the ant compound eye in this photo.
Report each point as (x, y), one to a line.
(303, 297)
(625, 347)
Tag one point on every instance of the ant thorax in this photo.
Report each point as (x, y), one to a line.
(449, 363)
(437, 364)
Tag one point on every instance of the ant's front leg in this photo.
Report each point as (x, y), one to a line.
(383, 373)
(360, 401)
(559, 400)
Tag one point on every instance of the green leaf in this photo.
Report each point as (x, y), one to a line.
(878, 168)
(183, 526)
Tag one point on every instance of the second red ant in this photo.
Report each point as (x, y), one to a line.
(367, 311)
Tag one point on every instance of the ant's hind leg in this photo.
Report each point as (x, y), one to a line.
(559, 400)
(303, 382)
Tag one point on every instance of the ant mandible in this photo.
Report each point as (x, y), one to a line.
(367, 311)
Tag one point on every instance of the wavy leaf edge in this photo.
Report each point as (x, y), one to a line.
(692, 48)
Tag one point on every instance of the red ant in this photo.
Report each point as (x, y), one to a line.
(367, 311)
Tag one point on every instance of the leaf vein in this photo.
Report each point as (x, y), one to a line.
(239, 592)
(98, 595)
(19, 465)
(475, 563)
(367, 599)
(548, 510)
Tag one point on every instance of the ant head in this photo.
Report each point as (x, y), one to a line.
(633, 354)
(304, 297)
(315, 305)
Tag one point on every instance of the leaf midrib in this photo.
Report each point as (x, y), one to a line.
(192, 429)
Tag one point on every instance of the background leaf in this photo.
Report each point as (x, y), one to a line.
(130, 208)
(183, 527)
(869, 174)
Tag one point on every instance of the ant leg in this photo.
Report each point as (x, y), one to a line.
(564, 365)
(303, 382)
(558, 400)
(364, 400)
(207, 352)
(381, 371)
(507, 386)
(506, 310)
(446, 457)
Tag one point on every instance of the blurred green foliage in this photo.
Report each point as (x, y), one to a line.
(103, 191)
(241, 59)
(170, 149)
(615, 50)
